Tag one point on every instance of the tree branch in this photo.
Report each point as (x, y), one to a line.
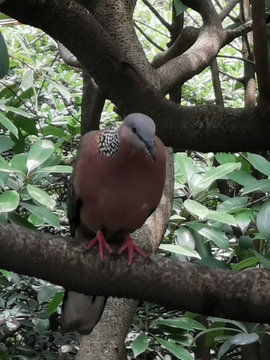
(260, 34)
(227, 9)
(235, 295)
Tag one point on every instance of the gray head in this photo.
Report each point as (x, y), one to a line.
(139, 130)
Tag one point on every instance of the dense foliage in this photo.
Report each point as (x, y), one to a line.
(220, 213)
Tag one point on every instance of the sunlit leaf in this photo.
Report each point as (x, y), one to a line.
(232, 204)
(41, 196)
(180, 249)
(243, 219)
(221, 217)
(176, 350)
(244, 339)
(259, 163)
(40, 151)
(140, 344)
(27, 80)
(210, 233)
(8, 124)
(263, 219)
(9, 201)
(194, 207)
(55, 169)
(258, 185)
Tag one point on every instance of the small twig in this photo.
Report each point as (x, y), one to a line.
(237, 58)
(152, 28)
(148, 38)
(156, 13)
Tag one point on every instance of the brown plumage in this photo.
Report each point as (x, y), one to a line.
(118, 178)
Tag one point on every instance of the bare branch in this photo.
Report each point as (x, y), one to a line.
(260, 34)
(227, 9)
(148, 38)
(206, 9)
(215, 292)
(158, 16)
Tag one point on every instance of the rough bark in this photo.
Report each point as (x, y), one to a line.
(236, 295)
(205, 128)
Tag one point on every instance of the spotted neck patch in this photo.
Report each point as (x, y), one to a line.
(108, 142)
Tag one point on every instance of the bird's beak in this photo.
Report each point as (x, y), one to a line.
(150, 147)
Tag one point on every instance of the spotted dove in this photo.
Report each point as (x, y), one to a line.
(118, 178)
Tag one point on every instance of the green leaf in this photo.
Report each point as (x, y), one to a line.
(243, 219)
(185, 165)
(228, 321)
(47, 292)
(210, 233)
(63, 91)
(179, 7)
(17, 220)
(40, 151)
(42, 213)
(195, 208)
(55, 302)
(245, 242)
(221, 217)
(5, 143)
(263, 219)
(19, 162)
(224, 158)
(246, 263)
(180, 249)
(232, 204)
(186, 323)
(63, 169)
(9, 201)
(259, 163)
(41, 196)
(262, 185)
(4, 60)
(36, 221)
(242, 177)
(244, 339)
(214, 174)
(9, 169)
(27, 80)
(140, 344)
(176, 350)
(53, 130)
(265, 262)
(18, 111)
(8, 124)
(225, 347)
(3, 179)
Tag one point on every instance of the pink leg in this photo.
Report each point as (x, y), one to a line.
(102, 243)
(129, 244)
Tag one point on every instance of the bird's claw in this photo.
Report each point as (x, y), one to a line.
(102, 243)
(131, 247)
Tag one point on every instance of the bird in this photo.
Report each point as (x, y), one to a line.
(118, 180)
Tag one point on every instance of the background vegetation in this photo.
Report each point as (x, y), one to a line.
(220, 215)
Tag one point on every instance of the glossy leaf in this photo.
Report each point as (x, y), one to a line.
(224, 158)
(63, 169)
(259, 163)
(180, 249)
(244, 339)
(27, 80)
(263, 219)
(39, 152)
(9, 201)
(185, 165)
(185, 323)
(243, 219)
(140, 344)
(195, 208)
(246, 263)
(5, 143)
(225, 347)
(41, 196)
(42, 213)
(185, 238)
(176, 350)
(18, 111)
(210, 233)
(232, 204)
(55, 302)
(19, 162)
(9, 169)
(214, 174)
(47, 292)
(179, 7)
(35, 220)
(259, 185)
(8, 124)
(221, 217)
(242, 177)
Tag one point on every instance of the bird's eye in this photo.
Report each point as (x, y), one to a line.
(134, 130)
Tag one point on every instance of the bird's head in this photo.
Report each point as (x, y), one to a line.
(139, 130)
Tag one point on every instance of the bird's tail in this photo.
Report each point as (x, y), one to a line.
(81, 312)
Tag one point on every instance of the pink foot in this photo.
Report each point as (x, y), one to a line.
(102, 244)
(129, 244)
